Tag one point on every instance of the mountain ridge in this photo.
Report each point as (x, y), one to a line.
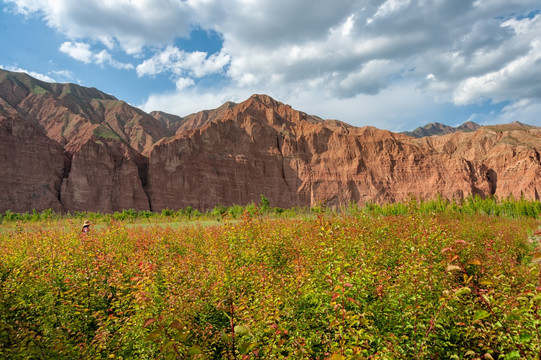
(441, 129)
(102, 154)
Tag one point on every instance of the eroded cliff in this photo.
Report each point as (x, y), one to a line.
(72, 148)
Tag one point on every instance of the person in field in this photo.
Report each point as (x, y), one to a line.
(86, 226)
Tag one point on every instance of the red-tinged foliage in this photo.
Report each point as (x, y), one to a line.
(330, 287)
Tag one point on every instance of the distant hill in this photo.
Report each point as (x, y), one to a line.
(72, 148)
(441, 129)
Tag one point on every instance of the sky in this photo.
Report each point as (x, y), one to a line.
(393, 64)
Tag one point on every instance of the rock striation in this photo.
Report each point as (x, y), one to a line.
(264, 147)
(105, 176)
(33, 167)
(72, 148)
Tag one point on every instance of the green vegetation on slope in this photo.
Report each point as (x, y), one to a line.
(105, 133)
(38, 90)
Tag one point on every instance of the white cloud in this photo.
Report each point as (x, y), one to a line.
(132, 23)
(182, 83)
(369, 79)
(191, 100)
(387, 8)
(78, 51)
(521, 78)
(526, 111)
(34, 74)
(81, 51)
(66, 74)
(344, 55)
(197, 64)
(104, 57)
(27, 7)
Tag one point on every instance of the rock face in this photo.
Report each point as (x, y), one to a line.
(510, 153)
(73, 149)
(101, 142)
(104, 177)
(264, 147)
(32, 167)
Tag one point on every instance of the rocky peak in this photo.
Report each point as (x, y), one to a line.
(265, 100)
(441, 129)
(108, 156)
(468, 126)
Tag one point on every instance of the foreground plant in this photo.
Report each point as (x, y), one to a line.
(326, 287)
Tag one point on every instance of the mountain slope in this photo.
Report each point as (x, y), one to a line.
(104, 140)
(71, 114)
(86, 150)
(262, 146)
(33, 167)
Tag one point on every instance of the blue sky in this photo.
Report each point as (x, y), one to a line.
(393, 64)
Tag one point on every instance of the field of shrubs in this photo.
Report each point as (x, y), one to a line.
(432, 280)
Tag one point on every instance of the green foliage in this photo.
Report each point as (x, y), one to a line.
(105, 133)
(38, 90)
(318, 209)
(351, 286)
(235, 211)
(10, 216)
(167, 212)
(127, 214)
(264, 204)
(145, 215)
(252, 209)
(508, 207)
(218, 211)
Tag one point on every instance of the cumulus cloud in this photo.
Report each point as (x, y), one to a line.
(81, 51)
(78, 51)
(338, 53)
(182, 83)
(387, 8)
(191, 100)
(454, 41)
(132, 24)
(519, 78)
(369, 79)
(64, 74)
(104, 57)
(34, 74)
(179, 62)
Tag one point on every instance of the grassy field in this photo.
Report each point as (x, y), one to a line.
(359, 285)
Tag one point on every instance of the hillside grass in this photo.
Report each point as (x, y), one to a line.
(509, 208)
(105, 133)
(420, 284)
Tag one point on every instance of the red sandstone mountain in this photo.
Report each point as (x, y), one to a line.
(70, 114)
(264, 147)
(33, 167)
(73, 148)
(193, 121)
